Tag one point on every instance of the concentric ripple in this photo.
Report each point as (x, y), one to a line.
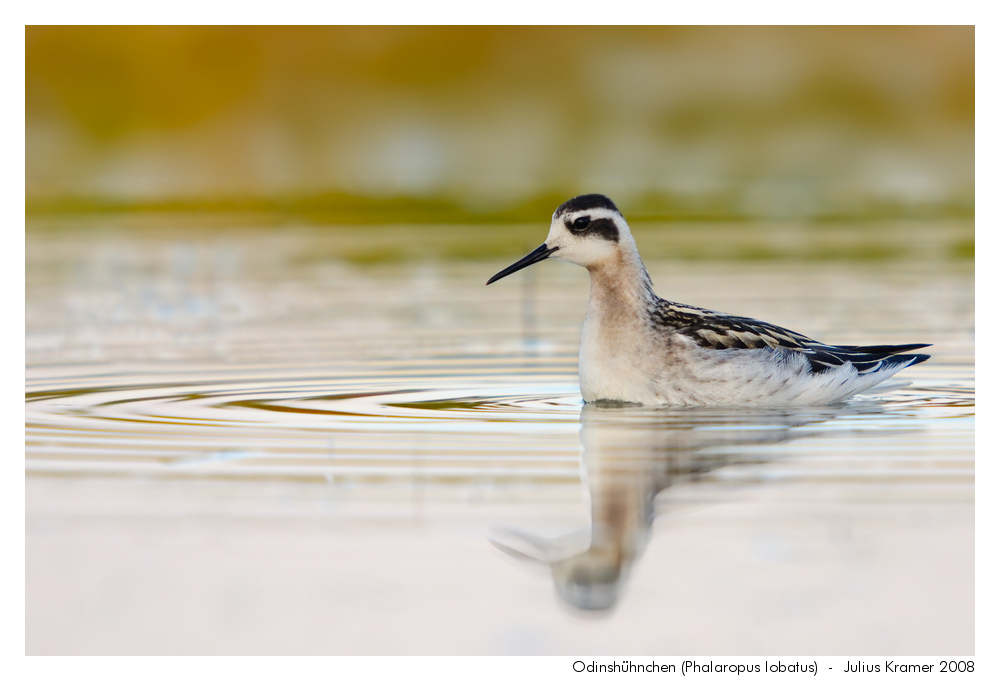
(412, 421)
(382, 424)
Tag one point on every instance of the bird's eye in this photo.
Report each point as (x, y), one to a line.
(581, 222)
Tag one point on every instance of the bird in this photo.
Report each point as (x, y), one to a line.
(639, 348)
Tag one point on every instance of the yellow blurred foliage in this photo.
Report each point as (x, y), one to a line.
(817, 116)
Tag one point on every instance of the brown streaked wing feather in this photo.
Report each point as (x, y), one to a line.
(721, 332)
(713, 330)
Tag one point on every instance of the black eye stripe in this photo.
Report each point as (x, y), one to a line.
(604, 228)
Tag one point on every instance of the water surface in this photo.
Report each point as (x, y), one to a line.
(242, 440)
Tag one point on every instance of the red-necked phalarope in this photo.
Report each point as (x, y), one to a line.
(638, 347)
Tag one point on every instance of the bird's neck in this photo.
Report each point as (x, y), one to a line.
(621, 283)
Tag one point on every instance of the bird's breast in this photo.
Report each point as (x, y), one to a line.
(616, 360)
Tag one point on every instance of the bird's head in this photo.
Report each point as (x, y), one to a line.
(586, 230)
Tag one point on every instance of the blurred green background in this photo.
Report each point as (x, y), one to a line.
(500, 124)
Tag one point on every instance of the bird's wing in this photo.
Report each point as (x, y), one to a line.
(726, 332)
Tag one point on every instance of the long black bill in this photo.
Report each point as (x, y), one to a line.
(537, 255)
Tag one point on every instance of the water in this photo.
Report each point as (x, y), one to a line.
(238, 440)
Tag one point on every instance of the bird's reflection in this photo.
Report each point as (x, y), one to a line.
(631, 454)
